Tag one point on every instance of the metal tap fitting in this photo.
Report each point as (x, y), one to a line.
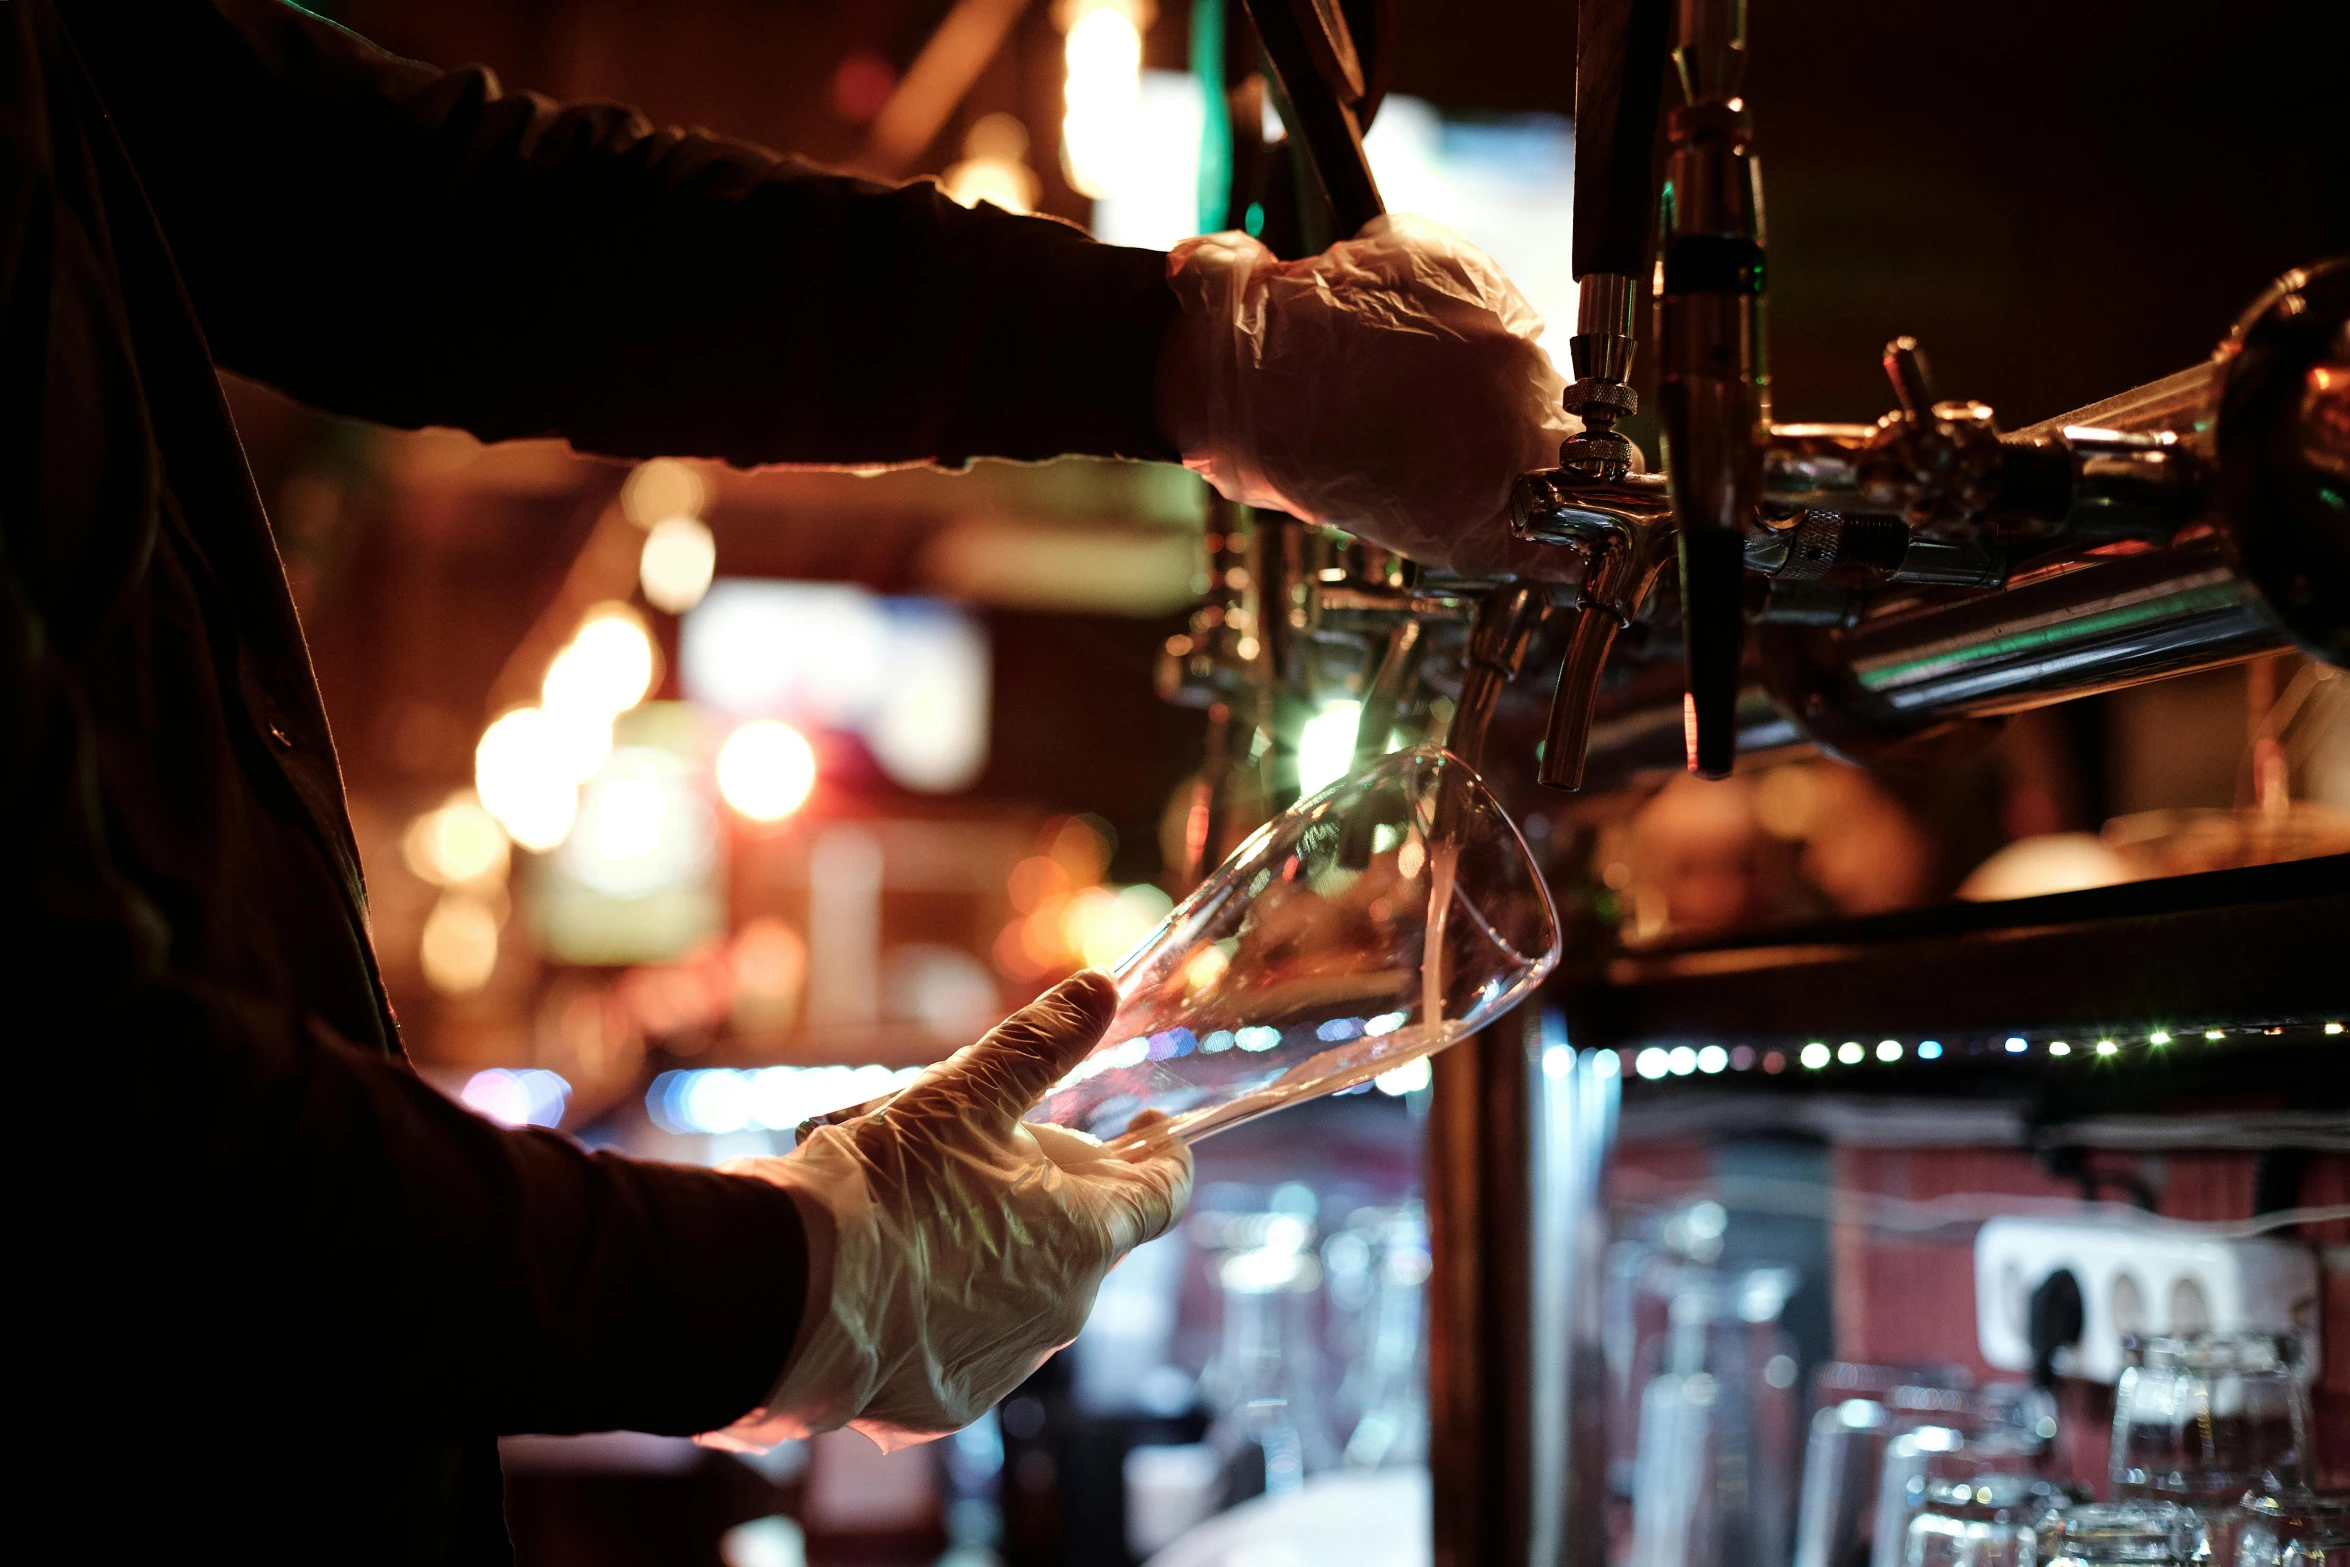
(1713, 390)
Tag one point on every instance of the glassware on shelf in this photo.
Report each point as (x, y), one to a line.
(1644, 1274)
(1390, 1380)
(1858, 1412)
(2260, 1529)
(2206, 1419)
(2318, 1550)
(1374, 923)
(2001, 1428)
(2123, 1534)
(1268, 1431)
(1987, 1520)
(1715, 1468)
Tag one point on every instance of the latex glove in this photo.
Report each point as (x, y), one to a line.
(965, 1245)
(1390, 385)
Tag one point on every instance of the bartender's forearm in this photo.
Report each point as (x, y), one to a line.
(338, 1240)
(390, 241)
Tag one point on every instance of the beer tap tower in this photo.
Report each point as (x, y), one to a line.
(1906, 583)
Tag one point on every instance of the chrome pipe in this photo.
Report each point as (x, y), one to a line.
(1518, 1139)
(2084, 626)
(2069, 631)
(1575, 1098)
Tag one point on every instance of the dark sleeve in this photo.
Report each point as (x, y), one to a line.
(429, 1268)
(386, 240)
(276, 1225)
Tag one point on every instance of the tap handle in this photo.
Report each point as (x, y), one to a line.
(1320, 76)
(1913, 382)
(1713, 629)
(1620, 50)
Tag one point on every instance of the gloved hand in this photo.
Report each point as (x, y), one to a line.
(1390, 385)
(965, 1245)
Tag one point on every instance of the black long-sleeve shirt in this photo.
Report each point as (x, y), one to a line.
(283, 1295)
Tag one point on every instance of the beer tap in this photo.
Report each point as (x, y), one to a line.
(1713, 388)
(1824, 517)
(1596, 501)
(1219, 663)
(1382, 596)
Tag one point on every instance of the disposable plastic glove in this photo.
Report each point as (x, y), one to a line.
(1390, 385)
(966, 1245)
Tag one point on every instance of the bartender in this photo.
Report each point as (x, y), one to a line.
(282, 1296)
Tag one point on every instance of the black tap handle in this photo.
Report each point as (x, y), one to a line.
(1620, 49)
(1713, 629)
(1321, 80)
(1913, 382)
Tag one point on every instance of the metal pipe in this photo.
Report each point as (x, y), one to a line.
(2069, 631)
(2087, 625)
(1575, 1099)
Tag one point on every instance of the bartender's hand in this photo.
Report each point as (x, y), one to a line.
(1390, 385)
(966, 1245)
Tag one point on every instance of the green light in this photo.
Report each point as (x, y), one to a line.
(1326, 745)
(2158, 1037)
(2057, 1047)
(2106, 1047)
(1253, 220)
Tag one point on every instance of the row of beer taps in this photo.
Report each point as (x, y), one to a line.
(1750, 522)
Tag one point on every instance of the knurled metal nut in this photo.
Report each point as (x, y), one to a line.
(1602, 394)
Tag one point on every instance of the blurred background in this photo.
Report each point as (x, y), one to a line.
(695, 800)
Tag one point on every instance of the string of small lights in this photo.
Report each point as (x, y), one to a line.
(1657, 1062)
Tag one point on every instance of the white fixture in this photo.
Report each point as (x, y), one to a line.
(2142, 1277)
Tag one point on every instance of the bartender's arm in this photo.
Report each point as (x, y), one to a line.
(390, 241)
(290, 1230)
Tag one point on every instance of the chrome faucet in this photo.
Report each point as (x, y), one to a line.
(1824, 514)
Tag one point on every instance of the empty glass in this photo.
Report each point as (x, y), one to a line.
(2318, 1550)
(1391, 1379)
(2123, 1534)
(1716, 1463)
(1268, 1433)
(2004, 1428)
(2259, 1530)
(1860, 1410)
(2207, 1418)
(1989, 1520)
(1369, 925)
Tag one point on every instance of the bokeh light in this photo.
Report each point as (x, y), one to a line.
(1103, 926)
(530, 1097)
(642, 827)
(456, 843)
(994, 167)
(1326, 746)
(1412, 1075)
(625, 818)
(860, 85)
(766, 770)
(605, 670)
(770, 963)
(524, 774)
(679, 559)
(1101, 128)
(459, 951)
(661, 489)
(718, 1100)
